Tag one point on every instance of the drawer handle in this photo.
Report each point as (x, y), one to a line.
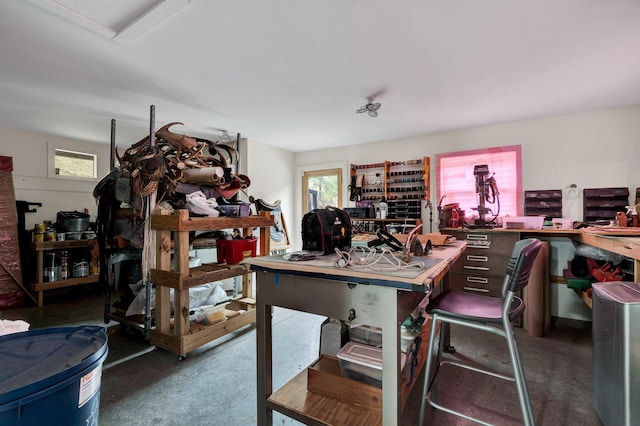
(479, 280)
(474, 258)
(477, 237)
(479, 290)
(476, 268)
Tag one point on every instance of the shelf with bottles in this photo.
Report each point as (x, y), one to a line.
(62, 264)
(368, 182)
(393, 180)
(407, 180)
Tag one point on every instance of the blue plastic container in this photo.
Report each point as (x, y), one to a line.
(52, 376)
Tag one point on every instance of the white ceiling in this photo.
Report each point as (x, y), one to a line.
(292, 73)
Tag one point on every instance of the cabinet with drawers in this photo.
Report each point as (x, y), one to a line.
(481, 268)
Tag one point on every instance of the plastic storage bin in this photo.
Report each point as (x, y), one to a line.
(52, 376)
(210, 314)
(363, 363)
(366, 334)
(233, 251)
(235, 210)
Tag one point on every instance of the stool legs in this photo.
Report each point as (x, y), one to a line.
(516, 364)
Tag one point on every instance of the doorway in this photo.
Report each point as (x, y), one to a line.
(321, 188)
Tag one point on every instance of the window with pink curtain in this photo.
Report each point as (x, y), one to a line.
(455, 179)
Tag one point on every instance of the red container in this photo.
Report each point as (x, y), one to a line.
(233, 251)
(220, 245)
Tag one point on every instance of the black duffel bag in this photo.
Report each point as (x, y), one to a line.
(325, 230)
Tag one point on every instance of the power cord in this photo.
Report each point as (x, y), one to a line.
(370, 258)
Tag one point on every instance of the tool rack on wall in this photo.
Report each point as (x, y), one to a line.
(403, 184)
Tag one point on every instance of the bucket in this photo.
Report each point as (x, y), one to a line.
(233, 251)
(236, 250)
(52, 376)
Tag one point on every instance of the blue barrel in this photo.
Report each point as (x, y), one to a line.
(52, 376)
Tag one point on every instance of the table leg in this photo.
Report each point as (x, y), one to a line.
(390, 360)
(264, 360)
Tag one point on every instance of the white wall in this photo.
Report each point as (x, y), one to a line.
(272, 175)
(591, 149)
(30, 173)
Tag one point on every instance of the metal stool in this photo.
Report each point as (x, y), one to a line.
(478, 311)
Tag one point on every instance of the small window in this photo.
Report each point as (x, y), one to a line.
(75, 164)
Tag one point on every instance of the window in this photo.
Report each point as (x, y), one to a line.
(321, 188)
(456, 181)
(75, 164)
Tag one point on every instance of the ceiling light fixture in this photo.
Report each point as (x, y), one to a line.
(370, 107)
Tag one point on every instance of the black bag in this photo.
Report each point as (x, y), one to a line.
(325, 230)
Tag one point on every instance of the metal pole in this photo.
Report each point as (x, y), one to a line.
(146, 249)
(112, 161)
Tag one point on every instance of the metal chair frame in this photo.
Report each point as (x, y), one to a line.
(516, 278)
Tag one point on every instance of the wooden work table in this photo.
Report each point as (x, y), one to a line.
(620, 240)
(377, 298)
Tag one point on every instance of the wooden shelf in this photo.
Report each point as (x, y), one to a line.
(69, 282)
(39, 248)
(322, 394)
(294, 400)
(179, 335)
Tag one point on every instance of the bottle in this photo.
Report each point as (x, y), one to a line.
(384, 208)
(64, 265)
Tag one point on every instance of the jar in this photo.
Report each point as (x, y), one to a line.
(50, 274)
(50, 234)
(80, 269)
(94, 267)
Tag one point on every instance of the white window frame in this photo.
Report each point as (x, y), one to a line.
(70, 146)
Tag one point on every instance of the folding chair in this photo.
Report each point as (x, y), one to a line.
(491, 314)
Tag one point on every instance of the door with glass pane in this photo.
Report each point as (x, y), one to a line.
(321, 188)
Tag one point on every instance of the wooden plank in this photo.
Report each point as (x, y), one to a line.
(176, 223)
(626, 246)
(215, 331)
(199, 334)
(294, 400)
(197, 276)
(62, 245)
(324, 378)
(64, 283)
(163, 262)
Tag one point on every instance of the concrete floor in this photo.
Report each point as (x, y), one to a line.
(216, 384)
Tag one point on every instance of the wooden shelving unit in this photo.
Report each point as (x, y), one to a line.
(396, 181)
(38, 285)
(178, 334)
